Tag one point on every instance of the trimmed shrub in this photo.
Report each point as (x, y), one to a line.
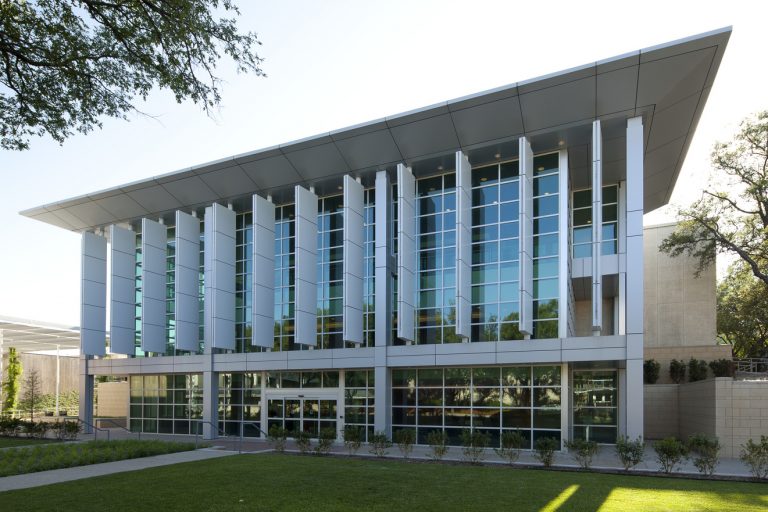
(353, 438)
(277, 436)
(544, 450)
(325, 442)
(10, 427)
(670, 452)
(303, 441)
(405, 440)
(380, 443)
(651, 369)
(512, 441)
(722, 368)
(755, 455)
(438, 444)
(706, 452)
(697, 370)
(473, 444)
(630, 453)
(36, 429)
(677, 371)
(582, 451)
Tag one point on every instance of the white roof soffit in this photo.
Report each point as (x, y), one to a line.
(667, 84)
(33, 336)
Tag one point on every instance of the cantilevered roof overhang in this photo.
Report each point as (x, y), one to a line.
(667, 85)
(34, 336)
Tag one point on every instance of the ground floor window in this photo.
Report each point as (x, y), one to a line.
(491, 400)
(166, 404)
(359, 400)
(240, 403)
(595, 405)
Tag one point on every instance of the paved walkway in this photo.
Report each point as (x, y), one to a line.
(68, 474)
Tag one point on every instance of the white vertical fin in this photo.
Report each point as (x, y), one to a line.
(406, 253)
(186, 282)
(154, 239)
(263, 272)
(306, 267)
(526, 237)
(353, 261)
(93, 295)
(122, 311)
(463, 244)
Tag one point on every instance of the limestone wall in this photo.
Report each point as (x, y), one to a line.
(112, 399)
(661, 411)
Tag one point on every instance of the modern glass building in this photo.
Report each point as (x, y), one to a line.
(475, 264)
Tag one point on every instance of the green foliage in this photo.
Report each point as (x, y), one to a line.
(67, 63)
(36, 429)
(32, 394)
(630, 453)
(677, 371)
(722, 368)
(582, 451)
(379, 444)
(670, 452)
(651, 370)
(10, 427)
(697, 370)
(353, 438)
(15, 461)
(68, 401)
(277, 436)
(325, 442)
(742, 307)
(755, 455)
(66, 430)
(544, 450)
(10, 386)
(474, 443)
(438, 444)
(512, 441)
(303, 441)
(405, 439)
(705, 452)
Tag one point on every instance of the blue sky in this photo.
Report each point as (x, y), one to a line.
(334, 64)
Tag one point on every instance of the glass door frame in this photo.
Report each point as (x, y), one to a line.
(330, 394)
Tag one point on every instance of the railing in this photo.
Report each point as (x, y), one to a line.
(96, 429)
(219, 432)
(752, 365)
(242, 429)
(138, 433)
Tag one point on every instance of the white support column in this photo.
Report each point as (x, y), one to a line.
(621, 322)
(564, 283)
(406, 253)
(597, 228)
(634, 292)
(463, 245)
(93, 295)
(85, 412)
(219, 277)
(526, 238)
(154, 240)
(263, 272)
(122, 312)
(306, 267)
(186, 282)
(383, 300)
(353, 261)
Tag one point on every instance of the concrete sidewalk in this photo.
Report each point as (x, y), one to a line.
(55, 476)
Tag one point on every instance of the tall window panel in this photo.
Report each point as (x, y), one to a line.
(393, 277)
(369, 268)
(582, 222)
(244, 282)
(137, 341)
(166, 404)
(359, 401)
(496, 252)
(595, 405)
(436, 243)
(545, 245)
(330, 272)
(170, 292)
(201, 289)
(285, 268)
(240, 403)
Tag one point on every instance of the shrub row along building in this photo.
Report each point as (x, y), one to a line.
(476, 264)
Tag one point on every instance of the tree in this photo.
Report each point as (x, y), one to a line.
(742, 310)
(12, 379)
(68, 63)
(732, 215)
(32, 396)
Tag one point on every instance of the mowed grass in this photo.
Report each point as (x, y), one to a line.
(273, 482)
(8, 442)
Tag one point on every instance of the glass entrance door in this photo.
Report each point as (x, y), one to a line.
(301, 413)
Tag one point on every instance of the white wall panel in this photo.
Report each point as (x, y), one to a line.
(565, 292)
(383, 257)
(406, 252)
(154, 239)
(597, 227)
(93, 295)
(526, 237)
(122, 307)
(353, 261)
(219, 277)
(306, 267)
(187, 269)
(463, 244)
(263, 272)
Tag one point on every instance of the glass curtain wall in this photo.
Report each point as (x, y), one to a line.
(170, 292)
(359, 401)
(546, 245)
(495, 253)
(244, 283)
(166, 404)
(330, 272)
(285, 267)
(369, 269)
(582, 222)
(240, 403)
(595, 405)
(138, 286)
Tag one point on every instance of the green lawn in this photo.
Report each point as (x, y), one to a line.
(285, 482)
(7, 442)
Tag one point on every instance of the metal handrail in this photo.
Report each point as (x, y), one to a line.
(138, 433)
(243, 424)
(752, 365)
(219, 431)
(95, 428)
